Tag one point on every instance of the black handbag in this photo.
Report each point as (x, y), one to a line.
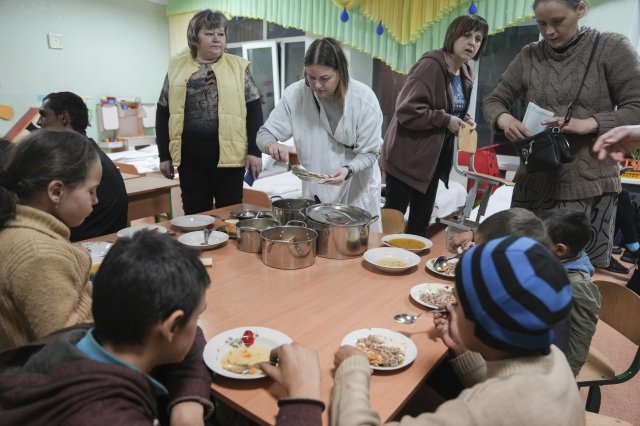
(549, 149)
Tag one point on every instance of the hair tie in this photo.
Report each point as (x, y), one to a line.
(8, 180)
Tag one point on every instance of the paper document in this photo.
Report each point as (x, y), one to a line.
(534, 116)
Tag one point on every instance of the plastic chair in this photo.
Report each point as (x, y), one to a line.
(392, 221)
(255, 197)
(621, 310)
(467, 142)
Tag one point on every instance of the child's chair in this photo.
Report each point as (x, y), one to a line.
(467, 142)
(621, 310)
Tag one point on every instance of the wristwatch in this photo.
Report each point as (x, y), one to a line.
(349, 171)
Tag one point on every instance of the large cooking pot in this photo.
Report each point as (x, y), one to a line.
(343, 230)
(288, 209)
(289, 247)
(248, 233)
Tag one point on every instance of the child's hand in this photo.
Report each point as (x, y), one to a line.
(446, 324)
(464, 240)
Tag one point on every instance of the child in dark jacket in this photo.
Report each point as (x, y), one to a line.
(569, 233)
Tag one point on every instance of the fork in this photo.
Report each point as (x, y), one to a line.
(206, 234)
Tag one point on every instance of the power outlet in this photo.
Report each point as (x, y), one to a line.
(55, 41)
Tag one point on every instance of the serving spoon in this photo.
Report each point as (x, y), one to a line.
(441, 263)
(410, 319)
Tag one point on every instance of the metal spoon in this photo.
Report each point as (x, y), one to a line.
(206, 233)
(410, 319)
(441, 263)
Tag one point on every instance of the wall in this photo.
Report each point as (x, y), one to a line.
(621, 16)
(111, 48)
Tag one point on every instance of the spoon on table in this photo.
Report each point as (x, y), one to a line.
(410, 319)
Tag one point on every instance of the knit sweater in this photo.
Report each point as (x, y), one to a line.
(539, 390)
(44, 279)
(551, 80)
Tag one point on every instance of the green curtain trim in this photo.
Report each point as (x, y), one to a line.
(322, 17)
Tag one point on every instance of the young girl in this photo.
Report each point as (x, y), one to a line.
(48, 184)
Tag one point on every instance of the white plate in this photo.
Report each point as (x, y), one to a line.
(97, 249)
(416, 292)
(218, 346)
(427, 242)
(193, 222)
(450, 273)
(375, 255)
(410, 350)
(308, 178)
(128, 232)
(196, 238)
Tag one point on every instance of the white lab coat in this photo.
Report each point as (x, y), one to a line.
(356, 141)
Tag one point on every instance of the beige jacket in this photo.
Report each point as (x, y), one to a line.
(44, 279)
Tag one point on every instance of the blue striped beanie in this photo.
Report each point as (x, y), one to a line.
(515, 291)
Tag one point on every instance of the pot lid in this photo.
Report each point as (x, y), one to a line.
(338, 214)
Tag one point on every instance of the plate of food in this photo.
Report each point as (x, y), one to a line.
(196, 239)
(128, 232)
(449, 272)
(192, 222)
(385, 349)
(433, 295)
(307, 176)
(391, 259)
(97, 250)
(235, 353)
(414, 243)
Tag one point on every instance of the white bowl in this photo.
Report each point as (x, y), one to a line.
(128, 232)
(195, 240)
(384, 257)
(192, 222)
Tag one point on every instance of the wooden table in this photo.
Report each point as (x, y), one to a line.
(149, 196)
(317, 306)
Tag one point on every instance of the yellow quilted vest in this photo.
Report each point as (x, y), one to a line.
(232, 109)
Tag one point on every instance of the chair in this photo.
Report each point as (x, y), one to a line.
(467, 142)
(621, 310)
(255, 197)
(392, 221)
(127, 168)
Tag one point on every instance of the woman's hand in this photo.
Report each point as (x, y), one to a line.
(617, 142)
(446, 324)
(338, 176)
(166, 168)
(455, 124)
(298, 370)
(471, 123)
(513, 128)
(576, 126)
(255, 165)
(345, 352)
(278, 151)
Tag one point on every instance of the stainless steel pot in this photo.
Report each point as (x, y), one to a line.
(343, 230)
(288, 209)
(248, 233)
(250, 214)
(289, 247)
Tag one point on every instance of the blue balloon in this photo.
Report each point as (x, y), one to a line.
(473, 9)
(344, 16)
(380, 29)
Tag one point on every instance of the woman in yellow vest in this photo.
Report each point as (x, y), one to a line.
(207, 118)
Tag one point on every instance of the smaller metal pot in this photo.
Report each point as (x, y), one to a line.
(288, 209)
(248, 233)
(289, 247)
(250, 214)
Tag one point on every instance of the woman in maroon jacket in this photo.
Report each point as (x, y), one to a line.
(430, 108)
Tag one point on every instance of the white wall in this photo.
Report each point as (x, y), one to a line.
(111, 48)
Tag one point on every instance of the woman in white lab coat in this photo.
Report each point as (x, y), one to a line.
(336, 126)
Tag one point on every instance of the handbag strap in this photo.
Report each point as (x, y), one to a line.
(567, 117)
